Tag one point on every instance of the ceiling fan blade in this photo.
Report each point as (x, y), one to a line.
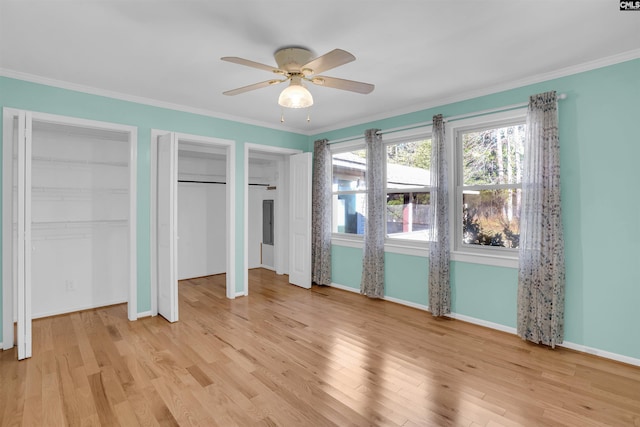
(326, 62)
(253, 87)
(252, 64)
(343, 84)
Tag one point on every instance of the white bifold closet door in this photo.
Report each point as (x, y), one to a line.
(167, 212)
(68, 238)
(300, 217)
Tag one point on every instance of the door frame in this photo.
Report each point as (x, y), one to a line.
(230, 153)
(268, 149)
(8, 307)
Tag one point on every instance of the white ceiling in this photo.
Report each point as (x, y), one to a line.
(417, 53)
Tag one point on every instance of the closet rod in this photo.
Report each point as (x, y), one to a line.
(201, 182)
(215, 182)
(446, 119)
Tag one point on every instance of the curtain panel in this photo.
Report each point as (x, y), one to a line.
(321, 214)
(541, 273)
(439, 251)
(372, 284)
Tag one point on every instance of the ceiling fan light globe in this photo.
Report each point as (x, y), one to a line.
(295, 96)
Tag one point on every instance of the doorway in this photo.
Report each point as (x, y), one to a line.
(69, 210)
(193, 214)
(276, 163)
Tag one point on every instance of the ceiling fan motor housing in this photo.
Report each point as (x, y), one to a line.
(291, 59)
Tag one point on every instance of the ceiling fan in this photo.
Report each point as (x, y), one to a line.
(296, 64)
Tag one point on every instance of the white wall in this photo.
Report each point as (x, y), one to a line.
(201, 216)
(256, 195)
(80, 194)
(265, 172)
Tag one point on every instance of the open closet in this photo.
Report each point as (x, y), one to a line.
(278, 214)
(68, 219)
(192, 214)
(264, 201)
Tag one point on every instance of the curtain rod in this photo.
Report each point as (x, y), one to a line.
(446, 119)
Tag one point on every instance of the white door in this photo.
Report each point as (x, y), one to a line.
(167, 211)
(24, 235)
(300, 217)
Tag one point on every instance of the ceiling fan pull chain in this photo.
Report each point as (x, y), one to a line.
(281, 115)
(308, 116)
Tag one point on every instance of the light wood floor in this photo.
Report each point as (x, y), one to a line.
(292, 357)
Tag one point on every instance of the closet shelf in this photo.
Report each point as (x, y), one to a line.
(72, 193)
(77, 162)
(61, 225)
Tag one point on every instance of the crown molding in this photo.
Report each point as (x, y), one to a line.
(33, 78)
(514, 84)
(563, 72)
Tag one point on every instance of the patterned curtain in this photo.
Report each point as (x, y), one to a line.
(439, 256)
(372, 284)
(541, 276)
(321, 214)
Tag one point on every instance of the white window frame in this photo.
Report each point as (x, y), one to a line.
(345, 239)
(491, 255)
(399, 244)
(392, 245)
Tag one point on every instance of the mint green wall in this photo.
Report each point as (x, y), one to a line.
(600, 148)
(600, 152)
(36, 97)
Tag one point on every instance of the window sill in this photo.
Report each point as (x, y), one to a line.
(396, 246)
(421, 249)
(485, 259)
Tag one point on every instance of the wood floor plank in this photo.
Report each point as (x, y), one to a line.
(286, 356)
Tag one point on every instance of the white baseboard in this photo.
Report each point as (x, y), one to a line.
(601, 353)
(240, 294)
(407, 303)
(491, 325)
(145, 314)
(345, 288)
(485, 323)
(79, 308)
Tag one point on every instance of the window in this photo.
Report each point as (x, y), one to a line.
(407, 189)
(489, 159)
(349, 191)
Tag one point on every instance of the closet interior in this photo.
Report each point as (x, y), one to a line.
(202, 210)
(79, 218)
(264, 203)
(68, 219)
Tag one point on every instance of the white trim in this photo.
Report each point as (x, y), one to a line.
(9, 315)
(7, 281)
(484, 323)
(80, 308)
(420, 131)
(271, 149)
(406, 303)
(566, 344)
(344, 288)
(405, 248)
(485, 259)
(229, 147)
(601, 353)
(475, 254)
(132, 306)
(33, 78)
(145, 314)
(508, 329)
(346, 146)
(347, 240)
(538, 78)
(439, 102)
(239, 294)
